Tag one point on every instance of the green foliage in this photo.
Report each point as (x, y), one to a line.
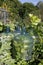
(5, 55)
(12, 51)
(14, 46)
(29, 7)
(34, 19)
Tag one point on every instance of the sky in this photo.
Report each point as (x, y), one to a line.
(32, 1)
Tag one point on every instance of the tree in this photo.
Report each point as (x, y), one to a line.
(40, 5)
